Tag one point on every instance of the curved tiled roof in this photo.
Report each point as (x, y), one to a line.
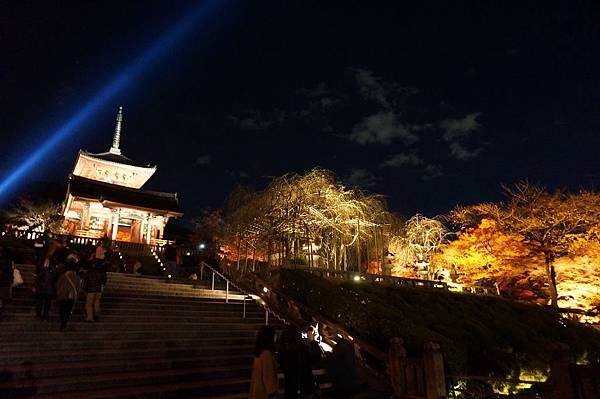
(105, 192)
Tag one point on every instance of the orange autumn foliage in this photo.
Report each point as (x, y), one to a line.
(485, 252)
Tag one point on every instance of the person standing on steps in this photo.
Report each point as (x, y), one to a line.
(341, 370)
(263, 382)
(6, 278)
(294, 358)
(94, 281)
(45, 289)
(171, 260)
(137, 267)
(67, 291)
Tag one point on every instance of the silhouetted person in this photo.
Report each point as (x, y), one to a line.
(94, 281)
(7, 379)
(45, 290)
(295, 363)
(341, 370)
(315, 352)
(170, 256)
(6, 278)
(137, 267)
(264, 383)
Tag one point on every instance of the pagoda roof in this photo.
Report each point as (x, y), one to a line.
(107, 193)
(116, 158)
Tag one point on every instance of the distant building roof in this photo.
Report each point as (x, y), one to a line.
(106, 192)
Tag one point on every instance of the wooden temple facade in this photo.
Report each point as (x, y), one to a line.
(105, 197)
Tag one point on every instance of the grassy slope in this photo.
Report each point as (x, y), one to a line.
(478, 334)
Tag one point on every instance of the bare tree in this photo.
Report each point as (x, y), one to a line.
(38, 216)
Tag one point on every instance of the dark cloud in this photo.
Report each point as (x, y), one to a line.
(373, 88)
(254, 120)
(320, 90)
(202, 160)
(382, 128)
(361, 178)
(402, 159)
(457, 131)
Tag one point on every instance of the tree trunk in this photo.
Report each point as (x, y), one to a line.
(238, 252)
(358, 265)
(551, 276)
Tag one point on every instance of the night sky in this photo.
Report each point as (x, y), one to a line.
(429, 105)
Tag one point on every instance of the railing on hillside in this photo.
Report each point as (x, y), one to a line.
(397, 281)
(228, 282)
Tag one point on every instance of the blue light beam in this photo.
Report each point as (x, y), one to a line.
(146, 59)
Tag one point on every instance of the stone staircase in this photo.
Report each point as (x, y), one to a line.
(155, 339)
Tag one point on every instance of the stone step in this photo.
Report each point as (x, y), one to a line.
(128, 378)
(124, 296)
(38, 336)
(55, 369)
(86, 355)
(124, 309)
(80, 325)
(27, 314)
(156, 338)
(12, 348)
(217, 388)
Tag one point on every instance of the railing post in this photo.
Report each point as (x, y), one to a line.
(213, 281)
(266, 317)
(201, 271)
(435, 380)
(244, 314)
(560, 375)
(227, 292)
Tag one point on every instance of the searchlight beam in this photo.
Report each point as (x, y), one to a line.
(136, 67)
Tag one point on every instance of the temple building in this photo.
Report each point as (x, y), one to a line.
(105, 197)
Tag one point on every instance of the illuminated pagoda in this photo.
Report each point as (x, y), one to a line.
(105, 197)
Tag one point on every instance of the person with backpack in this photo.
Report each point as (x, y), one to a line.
(67, 291)
(6, 278)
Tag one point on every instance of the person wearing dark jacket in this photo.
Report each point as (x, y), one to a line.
(341, 370)
(94, 281)
(170, 257)
(6, 278)
(45, 289)
(294, 359)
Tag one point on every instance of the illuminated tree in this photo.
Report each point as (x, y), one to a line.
(36, 216)
(487, 255)
(549, 223)
(420, 239)
(312, 218)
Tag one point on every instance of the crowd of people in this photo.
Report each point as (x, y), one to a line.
(62, 276)
(297, 354)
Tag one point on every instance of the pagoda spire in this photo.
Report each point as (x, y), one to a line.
(117, 138)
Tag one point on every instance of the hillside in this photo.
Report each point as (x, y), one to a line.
(481, 335)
